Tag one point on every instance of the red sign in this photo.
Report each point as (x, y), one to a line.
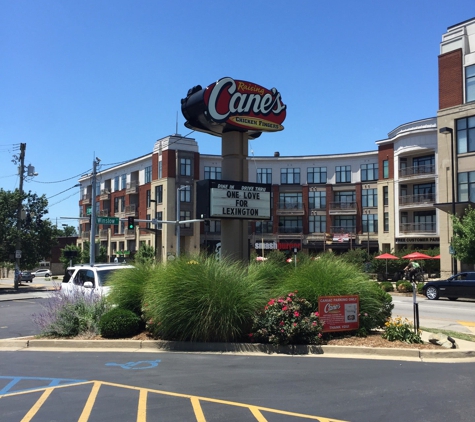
(245, 105)
(340, 313)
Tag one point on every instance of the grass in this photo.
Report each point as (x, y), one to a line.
(454, 334)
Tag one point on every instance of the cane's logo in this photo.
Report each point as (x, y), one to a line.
(332, 309)
(245, 104)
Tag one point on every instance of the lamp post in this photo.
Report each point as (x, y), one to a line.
(446, 131)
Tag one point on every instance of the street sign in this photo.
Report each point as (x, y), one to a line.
(108, 220)
(17, 253)
(451, 250)
(88, 210)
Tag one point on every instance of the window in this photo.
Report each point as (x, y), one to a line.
(159, 217)
(148, 174)
(290, 200)
(424, 192)
(370, 223)
(214, 226)
(470, 83)
(317, 200)
(290, 176)
(290, 225)
(385, 195)
(185, 194)
(317, 175)
(116, 183)
(264, 176)
(185, 215)
(369, 172)
(345, 196)
(344, 224)
(343, 174)
(466, 135)
(264, 227)
(213, 173)
(386, 221)
(317, 224)
(147, 217)
(147, 198)
(386, 169)
(159, 194)
(185, 166)
(466, 186)
(160, 171)
(370, 198)
(119, 204)
(425, 221)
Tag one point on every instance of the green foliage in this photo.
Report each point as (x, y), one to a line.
(202, 299)
(463, 241)
(102, 257)
(287, 320)
(145, 255)
(357, 257)
(387, 286)
(397, 329)
(127, 287)
(404, 286)
(119, 323)
(75, 260)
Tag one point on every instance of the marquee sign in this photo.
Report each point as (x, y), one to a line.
(229, 199)
(233, 105)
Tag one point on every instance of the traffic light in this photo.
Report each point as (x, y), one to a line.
(130, 223)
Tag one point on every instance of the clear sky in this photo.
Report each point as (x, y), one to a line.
(87, 78)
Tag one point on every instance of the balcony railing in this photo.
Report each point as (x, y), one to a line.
(105, 194)
(290, 206)
(417, 171)
(407, 228)
(129, 234)
(132, 187)
(104, 213)
(86, 199)
(103, 233)
(342, 229)
(130, 210)
(86, 234)
(343, 207)
(426, 198)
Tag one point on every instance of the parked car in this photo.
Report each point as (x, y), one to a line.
(91, 278)
(27, 276)
(42, 273)
(459, 285)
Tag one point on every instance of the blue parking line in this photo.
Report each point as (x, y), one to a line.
(52, 382)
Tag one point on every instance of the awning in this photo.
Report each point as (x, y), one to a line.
(460, 207)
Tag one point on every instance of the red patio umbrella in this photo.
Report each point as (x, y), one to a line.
(386, 256)
(436, 257)
(417, 255)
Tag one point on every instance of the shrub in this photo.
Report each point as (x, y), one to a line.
(398, 329)
(212, 300)
(71, 315)
(119, 323)
(287, 320)
(387, 286)
(404, 286)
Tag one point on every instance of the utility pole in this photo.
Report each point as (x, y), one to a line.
(92, 239)
(18, 221)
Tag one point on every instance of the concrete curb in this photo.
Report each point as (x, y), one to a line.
(251, 348)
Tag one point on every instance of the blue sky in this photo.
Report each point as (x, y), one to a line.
(80, 79)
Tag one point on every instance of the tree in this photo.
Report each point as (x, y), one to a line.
(67, 231)
(463, 240)
(102, 257)
(37, 235)
(145, 254)
(73, 260)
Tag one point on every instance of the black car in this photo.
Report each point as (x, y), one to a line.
(459, 285)
(27, 276)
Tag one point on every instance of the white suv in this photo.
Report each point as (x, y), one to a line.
(93, 278)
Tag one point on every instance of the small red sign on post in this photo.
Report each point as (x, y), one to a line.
(340, 313)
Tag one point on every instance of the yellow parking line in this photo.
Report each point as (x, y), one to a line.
(467, 323)
(34, 409)
(90, 402)
(195, 402)
(257, 414)
(142, 408)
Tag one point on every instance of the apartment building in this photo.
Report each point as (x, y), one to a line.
(456, 136)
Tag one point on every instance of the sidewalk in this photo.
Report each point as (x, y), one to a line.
(25, 290)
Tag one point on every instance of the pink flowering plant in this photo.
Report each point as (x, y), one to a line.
(287, 320)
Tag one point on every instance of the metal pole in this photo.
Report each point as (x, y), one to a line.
(178, 221)
(18, 221)
(92, 237)
(454, 260)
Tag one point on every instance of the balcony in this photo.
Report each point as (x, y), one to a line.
(343, 208)
(130, 210)
(132, 187)
(290, 230)
(129, 234)
(103, 213)
(103, 234)
(342, 229)
(418, 228)
(419, 199)
(86, 199)
(417, 171)
(86, 234)
(290, 208)
(105, 195)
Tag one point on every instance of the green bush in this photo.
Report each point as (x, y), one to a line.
(387, 286)
(203, 299)
(398, 329)
(404, 286)
(287, 320)
(119, 323)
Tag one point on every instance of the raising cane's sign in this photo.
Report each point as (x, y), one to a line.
(233, 105)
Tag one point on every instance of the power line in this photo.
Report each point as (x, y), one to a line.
(72, 187)
(65, 180)
(64, 199)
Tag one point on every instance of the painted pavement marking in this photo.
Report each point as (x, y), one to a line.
(257, 412)
(470, 325)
